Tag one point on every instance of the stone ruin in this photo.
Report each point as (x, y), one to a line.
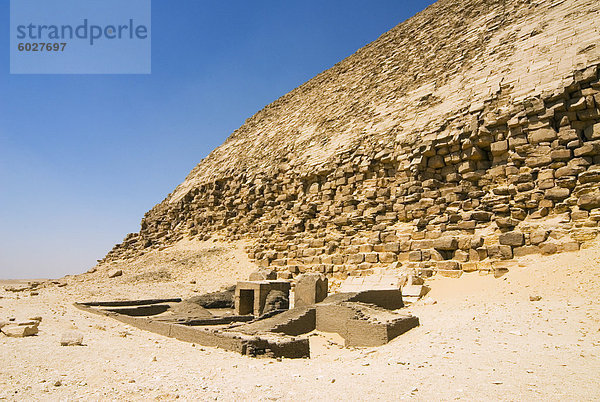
(257, 327)
(465, 136)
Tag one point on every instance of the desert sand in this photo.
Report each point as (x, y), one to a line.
(480, 338)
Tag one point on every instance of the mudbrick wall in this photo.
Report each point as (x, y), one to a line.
(485, 147)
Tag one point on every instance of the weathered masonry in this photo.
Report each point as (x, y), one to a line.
(479, 145)
(362, 318)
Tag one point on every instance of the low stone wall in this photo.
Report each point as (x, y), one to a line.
(274, 345)
(358, 324)
(495, 181)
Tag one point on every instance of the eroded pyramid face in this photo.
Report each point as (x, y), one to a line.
(463, 137)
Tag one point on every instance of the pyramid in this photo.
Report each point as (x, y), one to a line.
(465, 136)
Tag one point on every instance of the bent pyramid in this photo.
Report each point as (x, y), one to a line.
(467, 134)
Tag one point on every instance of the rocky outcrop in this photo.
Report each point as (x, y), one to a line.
(468, 134)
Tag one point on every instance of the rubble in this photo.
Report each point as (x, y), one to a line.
(20, 329)
(72, 338)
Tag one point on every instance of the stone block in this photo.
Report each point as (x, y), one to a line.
(372, 258)
(502, 252)
(482, 216)
(548, 248)
(460, 255)
(587, 150)
(538, 236)
(566, 135)
(113, 273)
(416, 291)
(593, 132)
(514, 239)
(446, 243)
(356, 258)
(263, 274)
(447, 265)
(415, 256)
(525, 250)
(470, 266)
(310, 289)
(589, 201)
(387, 258)
(557, 193)
(499, 147)
(542, 135)
(451, 273)
(20, 330)
(591, 176)
(71, 338)
(561, 154)
(538, 161)
(569, 247)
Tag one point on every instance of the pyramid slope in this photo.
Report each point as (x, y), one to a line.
(467, 135)
(451, 56)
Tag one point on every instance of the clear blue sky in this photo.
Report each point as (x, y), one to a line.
(83, 157)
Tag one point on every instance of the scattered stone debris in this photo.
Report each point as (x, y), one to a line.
(429, 301)
(71, 339)
(113, 273)
(29, 286)
(20, 329)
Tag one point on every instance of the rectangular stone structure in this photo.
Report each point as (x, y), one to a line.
(310, 289)
(250, 296)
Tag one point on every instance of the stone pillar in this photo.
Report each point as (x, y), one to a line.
(310, 289)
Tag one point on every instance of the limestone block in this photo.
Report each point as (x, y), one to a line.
(548, 248)
(502, 252)
(514, 239)
(356, 258)
(416, 291)
(415, 256)
(566, 135)
(589, 149)
(538, 236)
(499, 147)
(561, 154)
(568, 171)
(591, 176)
(589, 201)
(387, 258)
(450, 273)
(21, 330)
(593, 132)
(460, 255)
(263, 274)
(557, 193)
(538, 161)
(115, 273)
(525, 250)
(71, 338)
(447, 265)
(371, 258)
(446, 243)
(542, 135)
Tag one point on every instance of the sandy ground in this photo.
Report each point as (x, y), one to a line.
(483, 340)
